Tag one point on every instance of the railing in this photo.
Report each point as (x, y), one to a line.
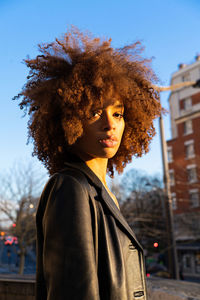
(23, 288)
(14, 287)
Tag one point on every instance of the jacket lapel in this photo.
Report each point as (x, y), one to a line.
(81, 166)
(117, 214)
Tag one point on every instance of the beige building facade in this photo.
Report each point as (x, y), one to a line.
(184, 166)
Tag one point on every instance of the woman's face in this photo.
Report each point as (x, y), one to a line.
(102, 132)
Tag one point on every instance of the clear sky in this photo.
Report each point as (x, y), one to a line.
(168, 29)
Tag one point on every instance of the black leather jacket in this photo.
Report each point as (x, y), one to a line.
(85, 248)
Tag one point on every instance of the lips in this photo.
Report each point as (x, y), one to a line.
(109, 142)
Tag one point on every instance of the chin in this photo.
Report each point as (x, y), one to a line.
(109, 153)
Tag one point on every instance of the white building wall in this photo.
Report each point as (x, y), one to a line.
(191, 73)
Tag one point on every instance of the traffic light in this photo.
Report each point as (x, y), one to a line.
(155, 245)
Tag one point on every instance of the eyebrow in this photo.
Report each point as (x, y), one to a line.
(114, 106)
(119, 106)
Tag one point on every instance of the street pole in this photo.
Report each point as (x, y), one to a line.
(172, 252)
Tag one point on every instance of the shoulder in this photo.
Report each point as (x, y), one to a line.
(67, 179)
(65, 189)
(66, 183)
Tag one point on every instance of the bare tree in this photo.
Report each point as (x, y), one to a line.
(20, 188)
(142, 204)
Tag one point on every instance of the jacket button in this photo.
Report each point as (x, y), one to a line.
(131, 247)
(138, 294)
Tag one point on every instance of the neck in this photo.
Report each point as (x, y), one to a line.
(99, 167)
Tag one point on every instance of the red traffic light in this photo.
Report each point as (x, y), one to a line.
(155, 245)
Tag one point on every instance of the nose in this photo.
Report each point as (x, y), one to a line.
(108, 122)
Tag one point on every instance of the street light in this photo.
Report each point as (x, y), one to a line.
(194, 84)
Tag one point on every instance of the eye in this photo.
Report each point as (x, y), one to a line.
(119, 115)
(96, 113)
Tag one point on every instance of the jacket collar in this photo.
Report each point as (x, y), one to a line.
(82, 167)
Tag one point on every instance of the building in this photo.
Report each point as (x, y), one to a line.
(184, 167)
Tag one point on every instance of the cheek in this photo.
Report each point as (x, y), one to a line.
(122, 128)
(89, 137)
(90, 130)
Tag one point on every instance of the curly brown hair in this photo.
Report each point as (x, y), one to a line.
(69, 78)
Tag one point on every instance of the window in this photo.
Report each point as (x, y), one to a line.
(174, 201)
(187, 127)
(197, 262)
(169, 154)
(189, 149)
(171, 177)
(186, 77)
(192, 173)
(194, 198)
(187, 103)
(188, 263)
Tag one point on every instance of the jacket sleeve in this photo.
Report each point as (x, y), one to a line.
(69, 264)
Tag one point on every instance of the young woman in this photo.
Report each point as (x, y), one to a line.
(91, 109)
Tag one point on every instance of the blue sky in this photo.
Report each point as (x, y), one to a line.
(168, 29)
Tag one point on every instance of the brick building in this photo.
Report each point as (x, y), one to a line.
(184, 167)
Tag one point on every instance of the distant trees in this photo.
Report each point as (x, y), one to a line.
(20, 188)
(141, 199)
